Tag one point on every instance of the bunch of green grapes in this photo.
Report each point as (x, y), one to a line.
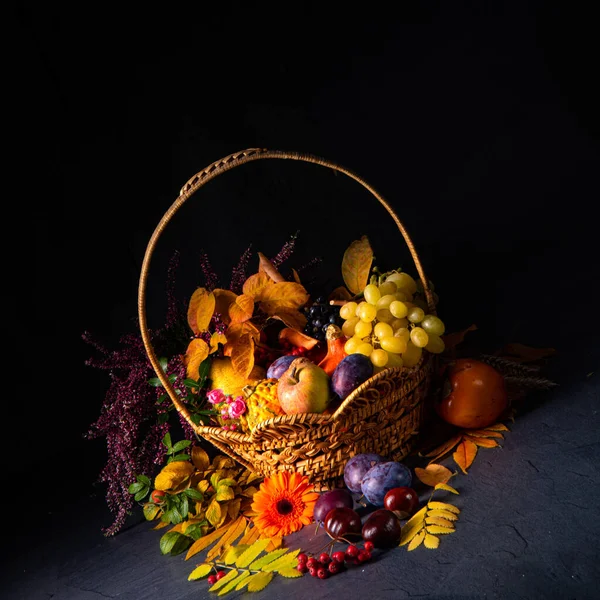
(391, 326)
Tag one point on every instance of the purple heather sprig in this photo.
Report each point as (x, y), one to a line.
(238, 274)
(285, 252)
(211, 279)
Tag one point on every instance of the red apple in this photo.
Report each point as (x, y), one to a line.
(303, 388)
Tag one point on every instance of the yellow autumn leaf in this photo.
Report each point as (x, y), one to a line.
(242, 356)
(233, 553)
(290, 572)
(235, 331)
(259, 563)
(413, 526)
(213, 512)
(250, 535)
(443, 448)
(285, 561)
(200, 310)
(200, 458)
(173, 475)
(224, 493)
(233, 583)
(465, 454)
(439, 521)
(224, 581)
(274, 544)
(484, 433)
(443, 514)
(446, 487)
(241, 310)
(416, 541)
(252, 553)
(205, 541)
(160, 525)
(438, 529)
(435, 505)
(232, 534)
(150, 511)
(223, 300)
(431, 541)
(233, 508)
(259, 581)
(356, 264)
(256, 284)
(433, 474)
(340, 293)
(215, 339)
(242, 581)
(285, 294)
(200, 571)
(197, 351)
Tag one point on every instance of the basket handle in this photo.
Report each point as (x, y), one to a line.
(193, 185)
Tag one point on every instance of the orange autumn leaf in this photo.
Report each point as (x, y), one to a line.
(433, 474)
(297, 338)
(235, 331)
(356, 264)
(452, 340)
(490, 433)
(200, 310)
(291, 318)
(242, 355)
(483, 442)
(285, 294)
(223, 300)
(497, 427)
(255, 285)
(296, 276)
(197, 351)
(443, 448)
(241, 310)
(215, 339)
(465, 454)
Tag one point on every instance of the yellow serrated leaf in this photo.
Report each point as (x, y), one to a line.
(287, 560)
(433, 505)
(172, 475)
(445, 486)
(259, 581)
(413, 526)
(200, 571)
(431, 541)
(417, 517)
(439, 521)
(438, 529)
(233, 553)
(224, 581)
(252, 553)
(213, 512)
(290, 572)
(200, 310)
(205, 541)
(416, 541)
(444, 514)
(233, 583)
(356, 264)
(433, 474)
(259, 563)
(242, 581)
(232, 534)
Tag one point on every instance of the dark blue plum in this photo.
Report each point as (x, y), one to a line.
(382, 478)
(279, 367)
(356, 468)
(353, 370)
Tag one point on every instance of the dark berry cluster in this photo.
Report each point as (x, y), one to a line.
(319, 316)
(325, 565)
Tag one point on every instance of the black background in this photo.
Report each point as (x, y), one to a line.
(478, 122)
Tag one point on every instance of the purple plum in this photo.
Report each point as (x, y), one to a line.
(279, 367)
(356, 468)
(382, 478)
(353, 370)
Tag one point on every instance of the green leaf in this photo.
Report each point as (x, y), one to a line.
(259, 563)
(174, 516)
(200, 571)
(191, 383)
(204, 368)
(259, 581)
(184, 505)
(194, 494)
(167, 440)
(141, 495)
(178, 457)
(195, 531)
(144, 479)
(227, 481)
(172, 378)
(225, 580)
(163, 418)
(179, 446)
(162, 398)
(151, 511)
(168, 540)
(252, 553)
(181, 545)
(134, 488)
(164, 363)
(155, 382)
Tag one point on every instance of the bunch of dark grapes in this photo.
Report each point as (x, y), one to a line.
(319, 316)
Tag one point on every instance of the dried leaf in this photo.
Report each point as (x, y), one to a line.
(465, 454)
(259, 563)
(442, 514)
(416, 541)
(200, 310)
(484, 442)
(340, 293)
(285, 294)
(356, 264)
(206, 540)
(200, 458)
(297, 338)
(213, 512)
(451, 340)
(259, 581)
(252, 553)
(290, 572)
(434, 505)
(439, 521)
(523, 353)
(200, 571)
(224, 581)
(287, 560)
(241, 310)
(197, 351)
(232, 534)
(256, 284)
(431, 541)
(296, 276)
(440, 530)
(497, 427)
(443, 448)
(215, 339)
(242, 356)
(445, 486)
(489, 433)
(290, 318)
(233, 508)
(433, 474)
(266, 266)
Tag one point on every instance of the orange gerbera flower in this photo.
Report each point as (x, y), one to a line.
(283, 504)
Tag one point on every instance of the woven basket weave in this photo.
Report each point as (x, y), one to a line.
(383, 415)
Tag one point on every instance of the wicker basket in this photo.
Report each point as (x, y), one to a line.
(383, 415)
